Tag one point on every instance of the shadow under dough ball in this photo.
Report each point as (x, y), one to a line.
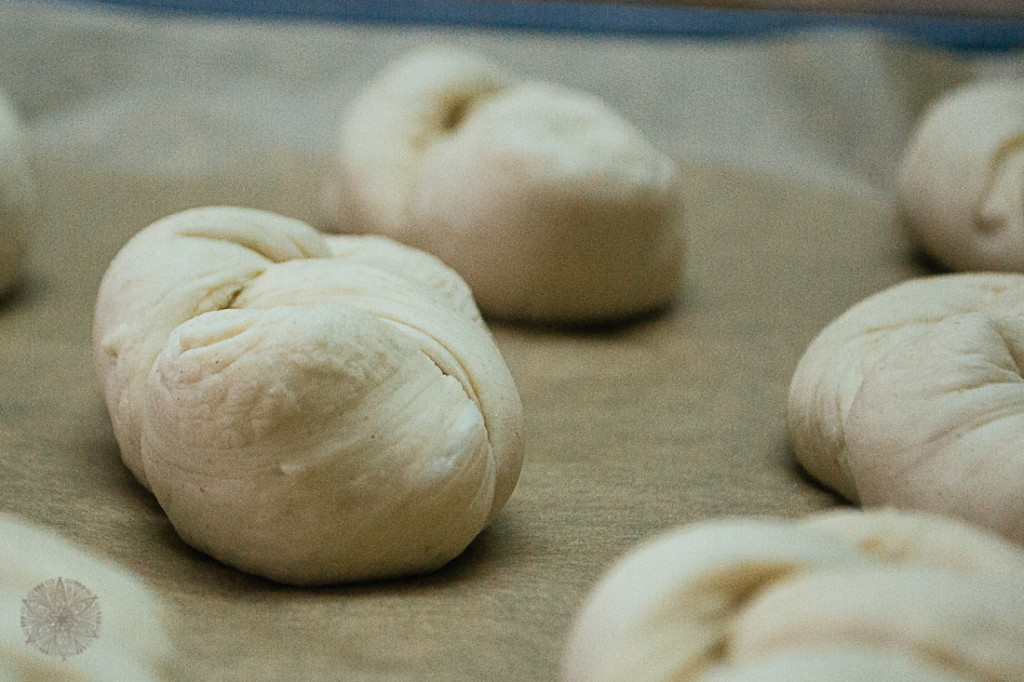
(17, 197)
(309, 409)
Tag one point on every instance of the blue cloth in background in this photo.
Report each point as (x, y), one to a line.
(952, 33)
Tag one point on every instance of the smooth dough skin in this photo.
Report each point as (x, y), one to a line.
(961, 182)
(865, 596)
(17, 198)
(549, 204)
(914, 398)
(131, 643)
(309, 409)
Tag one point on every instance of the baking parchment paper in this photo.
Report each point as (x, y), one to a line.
(788, 148)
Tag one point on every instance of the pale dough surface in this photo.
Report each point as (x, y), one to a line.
(843, 594)
(549, 204)
(309, 411)
(961, 180)
(913, 398)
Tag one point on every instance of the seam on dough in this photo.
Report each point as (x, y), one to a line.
(247, 244)
(471, 391)
(1002, 154)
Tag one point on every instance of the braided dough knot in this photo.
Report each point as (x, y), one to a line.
(305, 408)
(548, 203)
(843, 595)
(914, 398)
(961, 179)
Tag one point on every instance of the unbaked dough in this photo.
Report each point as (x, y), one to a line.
(309, 409)
(548, 203)
(842, 595)
(961, 182)
(131, 642)
(17, 198)
(913, 398)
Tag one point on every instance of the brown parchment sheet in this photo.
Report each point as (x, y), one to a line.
(788, 149)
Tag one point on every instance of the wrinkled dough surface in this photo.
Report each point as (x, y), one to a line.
(17, 198)
(964, 625)
(961, 182)
(176, 269)
(913, 397)
(398, 475)
(938, 424)
(548, 203)
(305, 409)
(841, 593)
(131, 643)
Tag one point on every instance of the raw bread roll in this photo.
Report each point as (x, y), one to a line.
(914, 399)
(549, 204)
(17, 198)
(961, 182)
(130, 643)
(843, 595)
(307, 409)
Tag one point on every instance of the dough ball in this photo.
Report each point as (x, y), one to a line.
(130, 642)
(17, 198)
(961, 182)
(914, 399)
(548, 203)
(850, 595)
(310, 410)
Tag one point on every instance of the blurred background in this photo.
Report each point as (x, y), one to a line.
(787, 119)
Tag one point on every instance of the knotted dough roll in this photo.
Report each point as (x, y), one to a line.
(914, 398)
(17, 197)
(548, 203)
(100, 623)
(961, 182)
(843, 595)
(309, 409)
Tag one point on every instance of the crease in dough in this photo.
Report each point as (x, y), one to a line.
(307, 409)
(927, 415)
(838, 595)
(550, 205)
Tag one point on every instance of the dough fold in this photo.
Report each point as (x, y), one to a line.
(961, 178)
(914, 399)
(307, 409)
(549, 204)
(843, 594)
